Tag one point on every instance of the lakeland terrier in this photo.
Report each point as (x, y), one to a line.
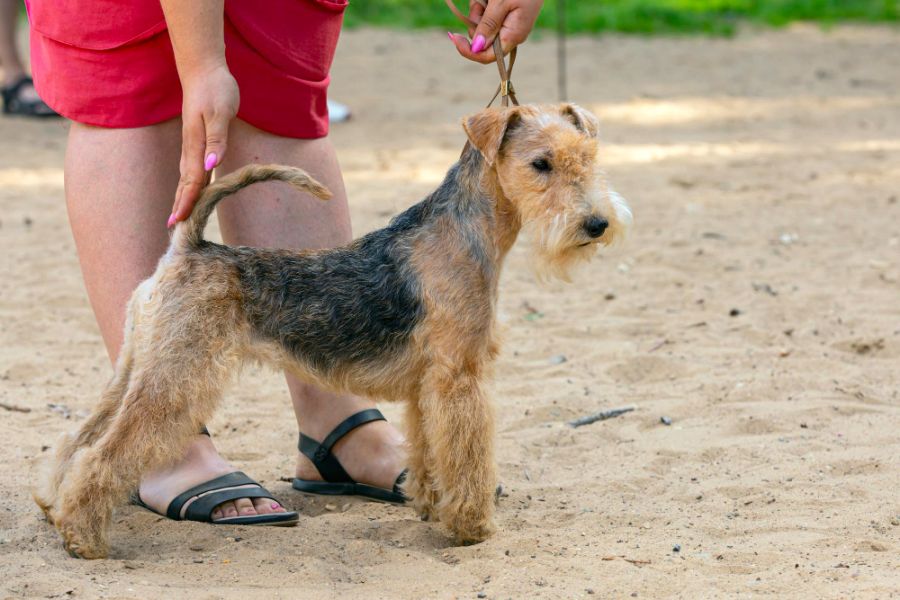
(406, 313)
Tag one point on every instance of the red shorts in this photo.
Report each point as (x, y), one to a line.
(110, 62)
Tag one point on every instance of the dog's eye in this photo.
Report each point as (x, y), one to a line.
(541, 165)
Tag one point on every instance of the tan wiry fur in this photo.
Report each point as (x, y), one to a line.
(405, 313)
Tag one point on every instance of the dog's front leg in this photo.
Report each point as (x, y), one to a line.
(459, 425)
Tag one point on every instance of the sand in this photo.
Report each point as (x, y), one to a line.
(757, 305)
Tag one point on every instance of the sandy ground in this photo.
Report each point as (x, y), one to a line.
(757, 305)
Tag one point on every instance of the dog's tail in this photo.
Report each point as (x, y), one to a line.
(189, 232)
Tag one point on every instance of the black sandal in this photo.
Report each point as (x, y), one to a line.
(216, 491)
(14, 104)
(213, 493)
(336, 480)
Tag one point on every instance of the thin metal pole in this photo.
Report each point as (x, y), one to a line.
(561, 79)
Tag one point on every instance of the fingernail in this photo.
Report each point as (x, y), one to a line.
(171, 220)
(211, 159)
(478, 43)
(450, 35)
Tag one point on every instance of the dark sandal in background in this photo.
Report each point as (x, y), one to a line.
(336, 480)
(15, 104)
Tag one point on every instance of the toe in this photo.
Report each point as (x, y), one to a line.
(265, 506)
(245, 507)
(217, 513)
(228, 509)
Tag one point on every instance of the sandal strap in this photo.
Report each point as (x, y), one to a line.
(320, 453)
(398, 483)
(201, 509)
(13, 89)
(230, 480)
(13, 103)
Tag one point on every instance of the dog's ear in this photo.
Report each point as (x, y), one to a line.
(582, 119)
(488, 128)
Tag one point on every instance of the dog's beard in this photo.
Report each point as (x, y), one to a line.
(557, 248)
(559, 245)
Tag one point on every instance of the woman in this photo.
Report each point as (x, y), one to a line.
(223, 84)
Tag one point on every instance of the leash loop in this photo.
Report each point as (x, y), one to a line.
(505, 90)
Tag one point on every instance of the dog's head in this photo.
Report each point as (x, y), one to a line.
(547, 165)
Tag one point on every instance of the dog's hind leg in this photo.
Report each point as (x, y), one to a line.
(55, 469)
(172, 392)
(459, 424)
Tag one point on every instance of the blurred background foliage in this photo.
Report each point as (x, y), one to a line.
(715, 17)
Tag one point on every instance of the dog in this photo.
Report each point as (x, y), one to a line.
(405, 313)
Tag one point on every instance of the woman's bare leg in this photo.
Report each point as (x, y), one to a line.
(119, 189)
(274, 216)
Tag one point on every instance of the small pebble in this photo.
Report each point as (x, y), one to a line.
(558, 359)
(482, 595)
(734, 312)
(676, 548)
(330, 507)
(665, 420)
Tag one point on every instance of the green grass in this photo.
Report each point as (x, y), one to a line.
(716, 17)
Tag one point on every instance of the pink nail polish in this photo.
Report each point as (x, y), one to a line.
(171, 220)
(478, 43)
(273, 505)
(211, 160)
(450, 35)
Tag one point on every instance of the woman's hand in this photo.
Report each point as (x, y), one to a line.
(512, 20)
(210, 103)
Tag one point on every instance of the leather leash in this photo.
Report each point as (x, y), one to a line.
(505, 90)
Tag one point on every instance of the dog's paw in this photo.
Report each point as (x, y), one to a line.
(466, 532)
(422, 496)
(470, 522)
(82, 539)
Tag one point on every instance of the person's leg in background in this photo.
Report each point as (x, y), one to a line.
(276, 216)
(18, 92)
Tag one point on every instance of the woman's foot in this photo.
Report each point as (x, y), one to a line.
(201, 463)
(372, 453)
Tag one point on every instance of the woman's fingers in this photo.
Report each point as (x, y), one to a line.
(193, 175)
(489, 25)
(465, 50)
(211, 100)
(510, 20)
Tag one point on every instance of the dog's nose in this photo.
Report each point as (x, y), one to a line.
(595, 226)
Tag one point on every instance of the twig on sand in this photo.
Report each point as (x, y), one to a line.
(658, 346)
(14, 408)
(634, 561)
(600, 416)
